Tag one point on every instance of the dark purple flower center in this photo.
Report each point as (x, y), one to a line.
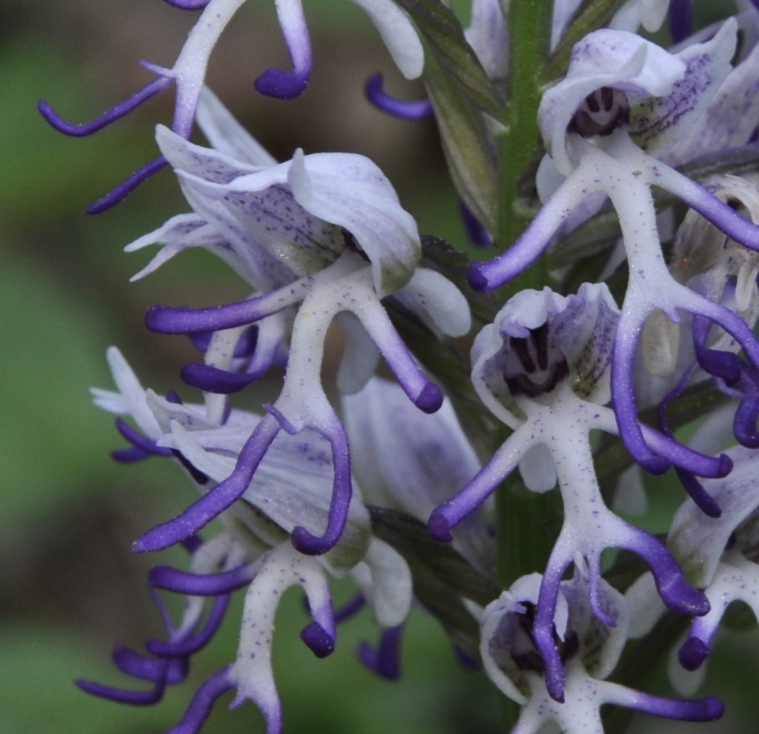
(524, 651)
(533, 366)
(601, 112)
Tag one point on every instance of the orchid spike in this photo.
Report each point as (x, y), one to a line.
(601, 125)
(543, 368)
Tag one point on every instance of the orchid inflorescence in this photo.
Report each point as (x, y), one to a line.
(622, 310)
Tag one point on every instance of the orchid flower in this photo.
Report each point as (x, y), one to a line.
(589, 651)
(317, 236)
(543, 369)
(624, 101)
(290, 490)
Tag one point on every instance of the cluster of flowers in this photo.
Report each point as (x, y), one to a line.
(323, 238)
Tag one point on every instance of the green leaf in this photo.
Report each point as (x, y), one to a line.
(443, 32)
(466, 142)
(590, 16)
(441, 575)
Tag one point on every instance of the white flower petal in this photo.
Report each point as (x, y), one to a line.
(398, 33)
(351, 192)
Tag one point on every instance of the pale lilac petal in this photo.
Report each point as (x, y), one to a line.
(227, 135)
(657, 123)
(351, 192)
(360, 357)
(398, 33)
(487, 36)
(441, 300)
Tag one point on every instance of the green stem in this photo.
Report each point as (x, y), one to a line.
(529, 23)
(525, 519)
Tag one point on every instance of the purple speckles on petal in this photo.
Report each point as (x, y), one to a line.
(398, 108)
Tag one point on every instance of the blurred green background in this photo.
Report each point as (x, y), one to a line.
(69, 587)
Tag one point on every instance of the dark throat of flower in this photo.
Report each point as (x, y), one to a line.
(601, 113)
(540, 368)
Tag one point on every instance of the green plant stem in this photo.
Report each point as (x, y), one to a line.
(529, 24)
(524, 540)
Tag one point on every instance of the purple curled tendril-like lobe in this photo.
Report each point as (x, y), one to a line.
(477, 234)
(355, 605)
(200, 584)
(676, 593)
(217, 499)
(115, 113)
(744, 422)
(693, 653)
(698, 494)
(192, 643)
(385, 660)
(133, 698)
(120, 192)
(702, 709)
(303, 540)
(167, 320)
(717, 363)
(159, 672)
(148, 445)
(279, 83)
(188, 4)
(200, 706)
(138, 666)
(282, 84)
(318, 640)
(687, 478)
(376, 94)
(680, 19)
(212, 379)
